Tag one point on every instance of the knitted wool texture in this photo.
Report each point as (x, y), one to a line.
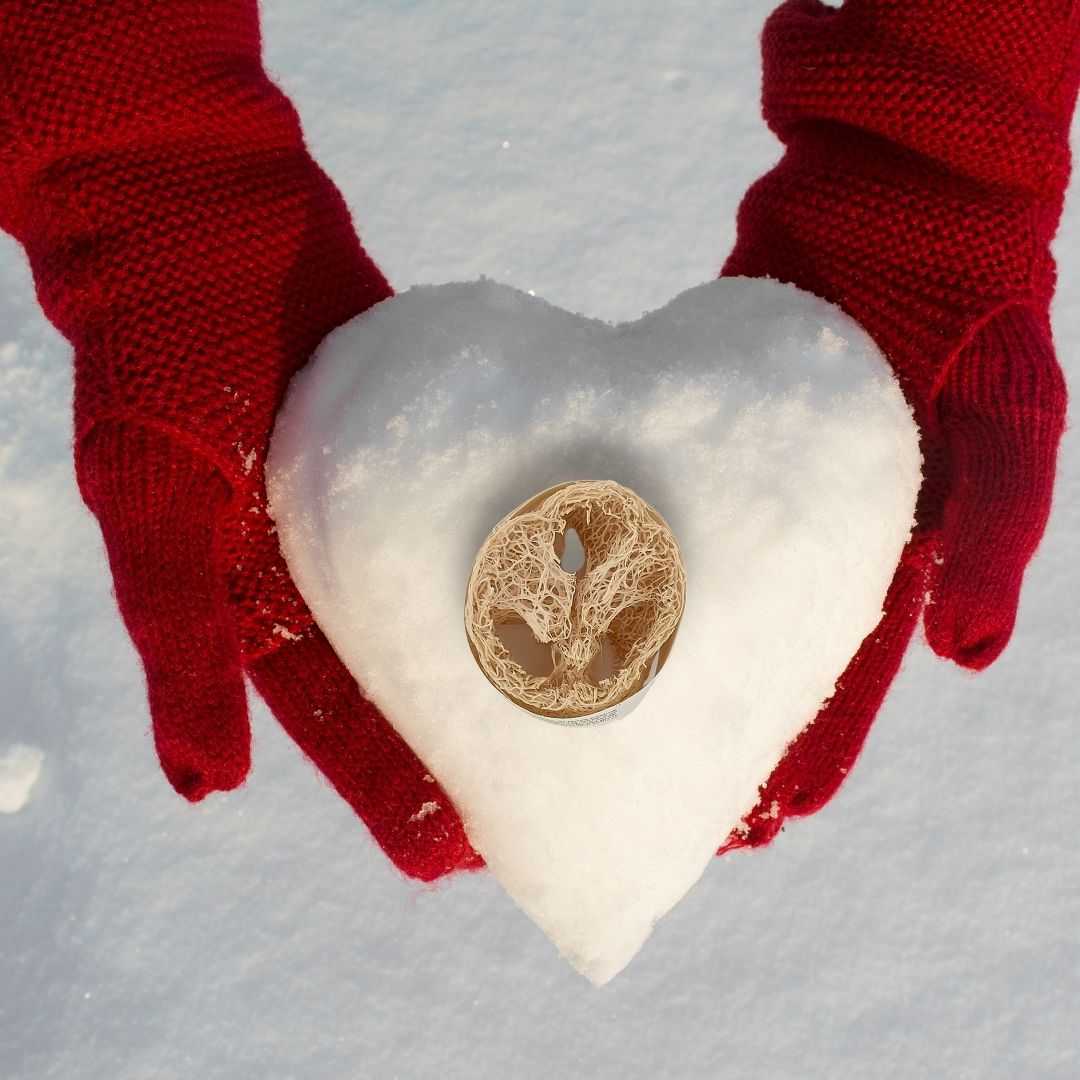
(923, 179)
(185, 243)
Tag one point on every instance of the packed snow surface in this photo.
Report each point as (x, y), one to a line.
(763, 425)
(20, 767)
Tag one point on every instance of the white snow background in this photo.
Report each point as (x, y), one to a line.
(924, 924)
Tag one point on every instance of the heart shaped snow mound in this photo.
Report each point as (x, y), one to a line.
(760, 421)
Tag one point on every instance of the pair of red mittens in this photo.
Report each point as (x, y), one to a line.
(184, 241)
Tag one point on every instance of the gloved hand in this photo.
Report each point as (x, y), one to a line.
(923, 179)
(186, 244)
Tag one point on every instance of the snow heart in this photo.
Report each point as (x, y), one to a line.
(760, 421)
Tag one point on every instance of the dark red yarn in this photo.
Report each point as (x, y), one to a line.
(923, 179)
(186, 244)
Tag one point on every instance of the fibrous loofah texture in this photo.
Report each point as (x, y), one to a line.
(615, 612)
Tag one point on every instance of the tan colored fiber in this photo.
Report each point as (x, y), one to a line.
(627, 598)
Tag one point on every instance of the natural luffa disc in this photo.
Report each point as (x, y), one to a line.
(591, 639)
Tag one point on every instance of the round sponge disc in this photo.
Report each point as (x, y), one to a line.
(565, 643)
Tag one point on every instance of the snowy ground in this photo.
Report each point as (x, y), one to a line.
(922, 925)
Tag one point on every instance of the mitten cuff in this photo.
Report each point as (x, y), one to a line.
(125, 74)
(926, 164)
(984, 90)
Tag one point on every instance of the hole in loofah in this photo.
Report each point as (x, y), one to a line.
(605, 664)
(572, 558)
(520, 642)
(596, 571)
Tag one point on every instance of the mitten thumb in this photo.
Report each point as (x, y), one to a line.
(1001, 413)
(158, 504)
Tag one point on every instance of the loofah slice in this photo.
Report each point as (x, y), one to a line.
(568, 644)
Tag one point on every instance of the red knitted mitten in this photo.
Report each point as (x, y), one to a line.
(192, 252)
(923, 180)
